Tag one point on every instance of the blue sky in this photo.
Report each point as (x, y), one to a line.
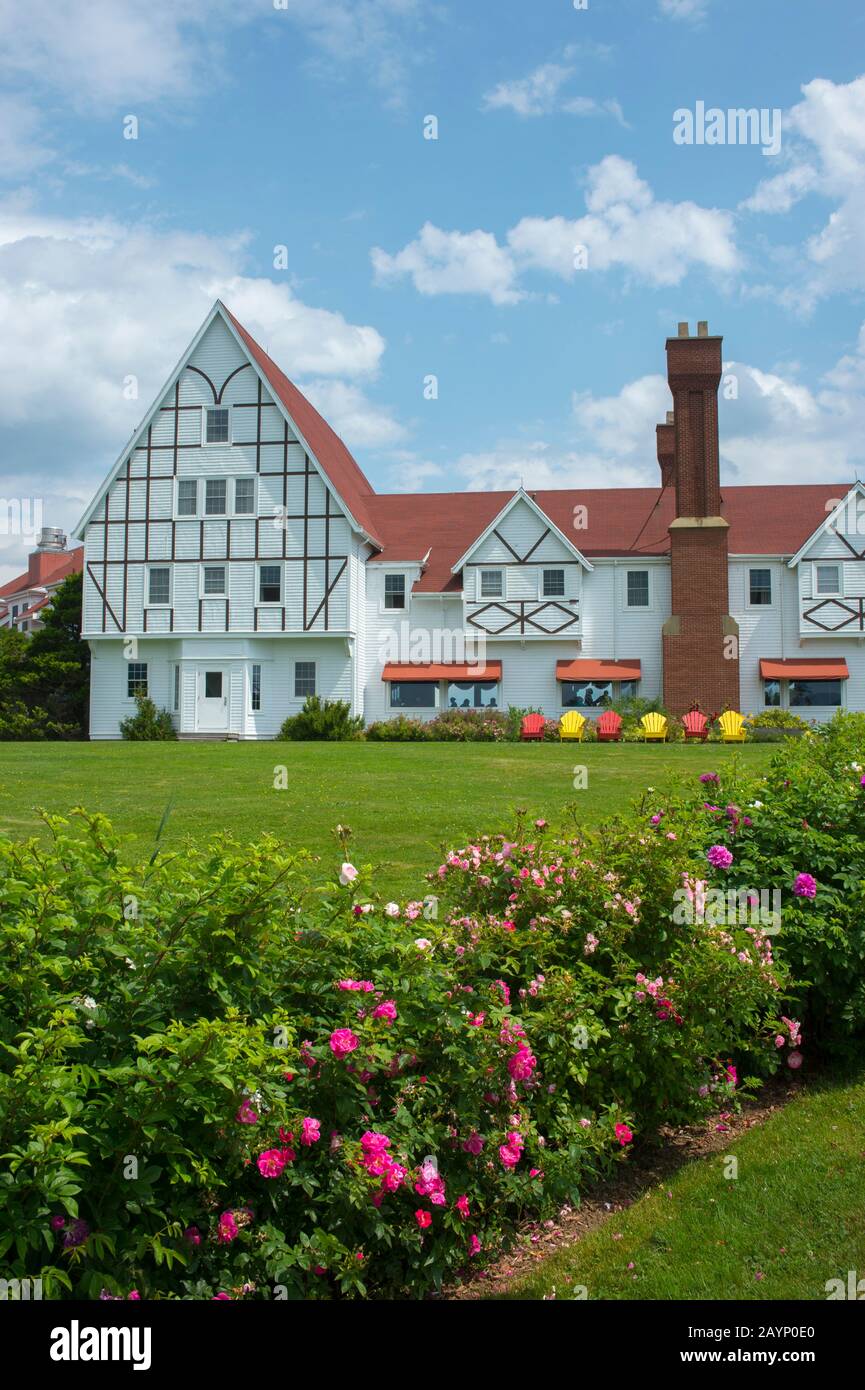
(303, 126)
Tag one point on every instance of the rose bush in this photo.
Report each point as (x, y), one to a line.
(225, 1073)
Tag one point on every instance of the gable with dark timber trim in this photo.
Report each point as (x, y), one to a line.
(129, 542)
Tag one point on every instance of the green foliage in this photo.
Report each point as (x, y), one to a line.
(400, 729)
(328, 721)
(172, 1032)
(148, 724)
(776, 719)
(45, 679)
(469, 726)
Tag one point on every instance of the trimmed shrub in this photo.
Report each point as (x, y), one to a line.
(469, 726)
(328, 721)
(148, 723)
(400, 729)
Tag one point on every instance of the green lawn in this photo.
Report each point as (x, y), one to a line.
(403, 801)
(789, 1222)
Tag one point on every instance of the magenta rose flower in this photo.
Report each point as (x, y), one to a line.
(623, 1134)
(805, 886)
(342, 1042)
(311, 1132)
(719, 857)
(271, 1163)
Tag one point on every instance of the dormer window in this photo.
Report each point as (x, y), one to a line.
(394, 591)
(554, 584)
(217, 427)
(492, 585)
(828, 579)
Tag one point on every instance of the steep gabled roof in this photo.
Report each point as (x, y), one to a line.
(827, 521)
(765, 520)
(329, 451)
(325, 447)
(519, 496)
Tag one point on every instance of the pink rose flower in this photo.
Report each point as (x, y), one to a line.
(311, 1132)
(719, 857)
(342, 1042)
(805, 886)
(423, 1218)
(623, 1134)
(462, 1206)
(385, 1010)
(271, 1163)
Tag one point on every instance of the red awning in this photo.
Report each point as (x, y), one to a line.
(445, 671)
(804, 668)
(598, 671)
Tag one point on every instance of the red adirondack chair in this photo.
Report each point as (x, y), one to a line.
(609, 727)
(532, 727)
(696, 725)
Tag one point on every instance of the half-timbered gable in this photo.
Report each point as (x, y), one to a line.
(522, 578)
(831, 572)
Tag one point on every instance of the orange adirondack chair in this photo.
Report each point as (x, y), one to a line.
(696, 725)
(532, 727)
(609, 727)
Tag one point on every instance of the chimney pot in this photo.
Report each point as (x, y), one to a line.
(671, 418)
(702, 329)
(683, 330)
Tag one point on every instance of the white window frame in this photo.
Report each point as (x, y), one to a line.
(838, 591)
(216, 443)
(304, 661)
(383, 608)
(126, 678)
(253, 667)
(177, 688)
(638, 607)
(158, 565)
(269, 602)
(438, 698)
(492, 569)
(556, 569)
(213, 565)
(245, 479)
(204, 514)
(187, 516)
(760, 607)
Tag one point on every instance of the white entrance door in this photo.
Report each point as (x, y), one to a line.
(212, 699)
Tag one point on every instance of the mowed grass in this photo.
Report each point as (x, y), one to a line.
(403, 802)
(790, 1221)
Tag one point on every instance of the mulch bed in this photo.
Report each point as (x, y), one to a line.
(648, 1166)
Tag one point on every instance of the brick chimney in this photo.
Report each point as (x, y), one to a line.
(666, 438)
(700, 640)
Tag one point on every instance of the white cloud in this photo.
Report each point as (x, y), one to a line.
(441, 262)
(824, 148)
(23, 146)
(540, 94)
(658, 242)
(89, 303)
(683, 9)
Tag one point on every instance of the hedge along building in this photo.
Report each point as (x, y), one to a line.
(237, 560)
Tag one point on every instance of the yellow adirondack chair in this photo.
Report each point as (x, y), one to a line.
(572, 725)
(654, 727)
(732, 727)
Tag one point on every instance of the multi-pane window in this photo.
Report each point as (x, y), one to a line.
(269, 584)
(473, 695)
(177, 687)
(760, 587)
(586, 694)
(136, 679)
(638, 588)
(256, 687)
(244, 496)
(187, 497)
(304, 679)
(214, 497)
(216, 429)
(394, 591)
(808, 693)
(492, 585)
(159, 586)
(413, 694)
(554, 583)
(828, 579)
(214, 580)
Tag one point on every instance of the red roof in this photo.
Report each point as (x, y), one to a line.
(349, 481)
(763, 520)
(804, 668)
(45, 567)
(490, 671)
(585, 670)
